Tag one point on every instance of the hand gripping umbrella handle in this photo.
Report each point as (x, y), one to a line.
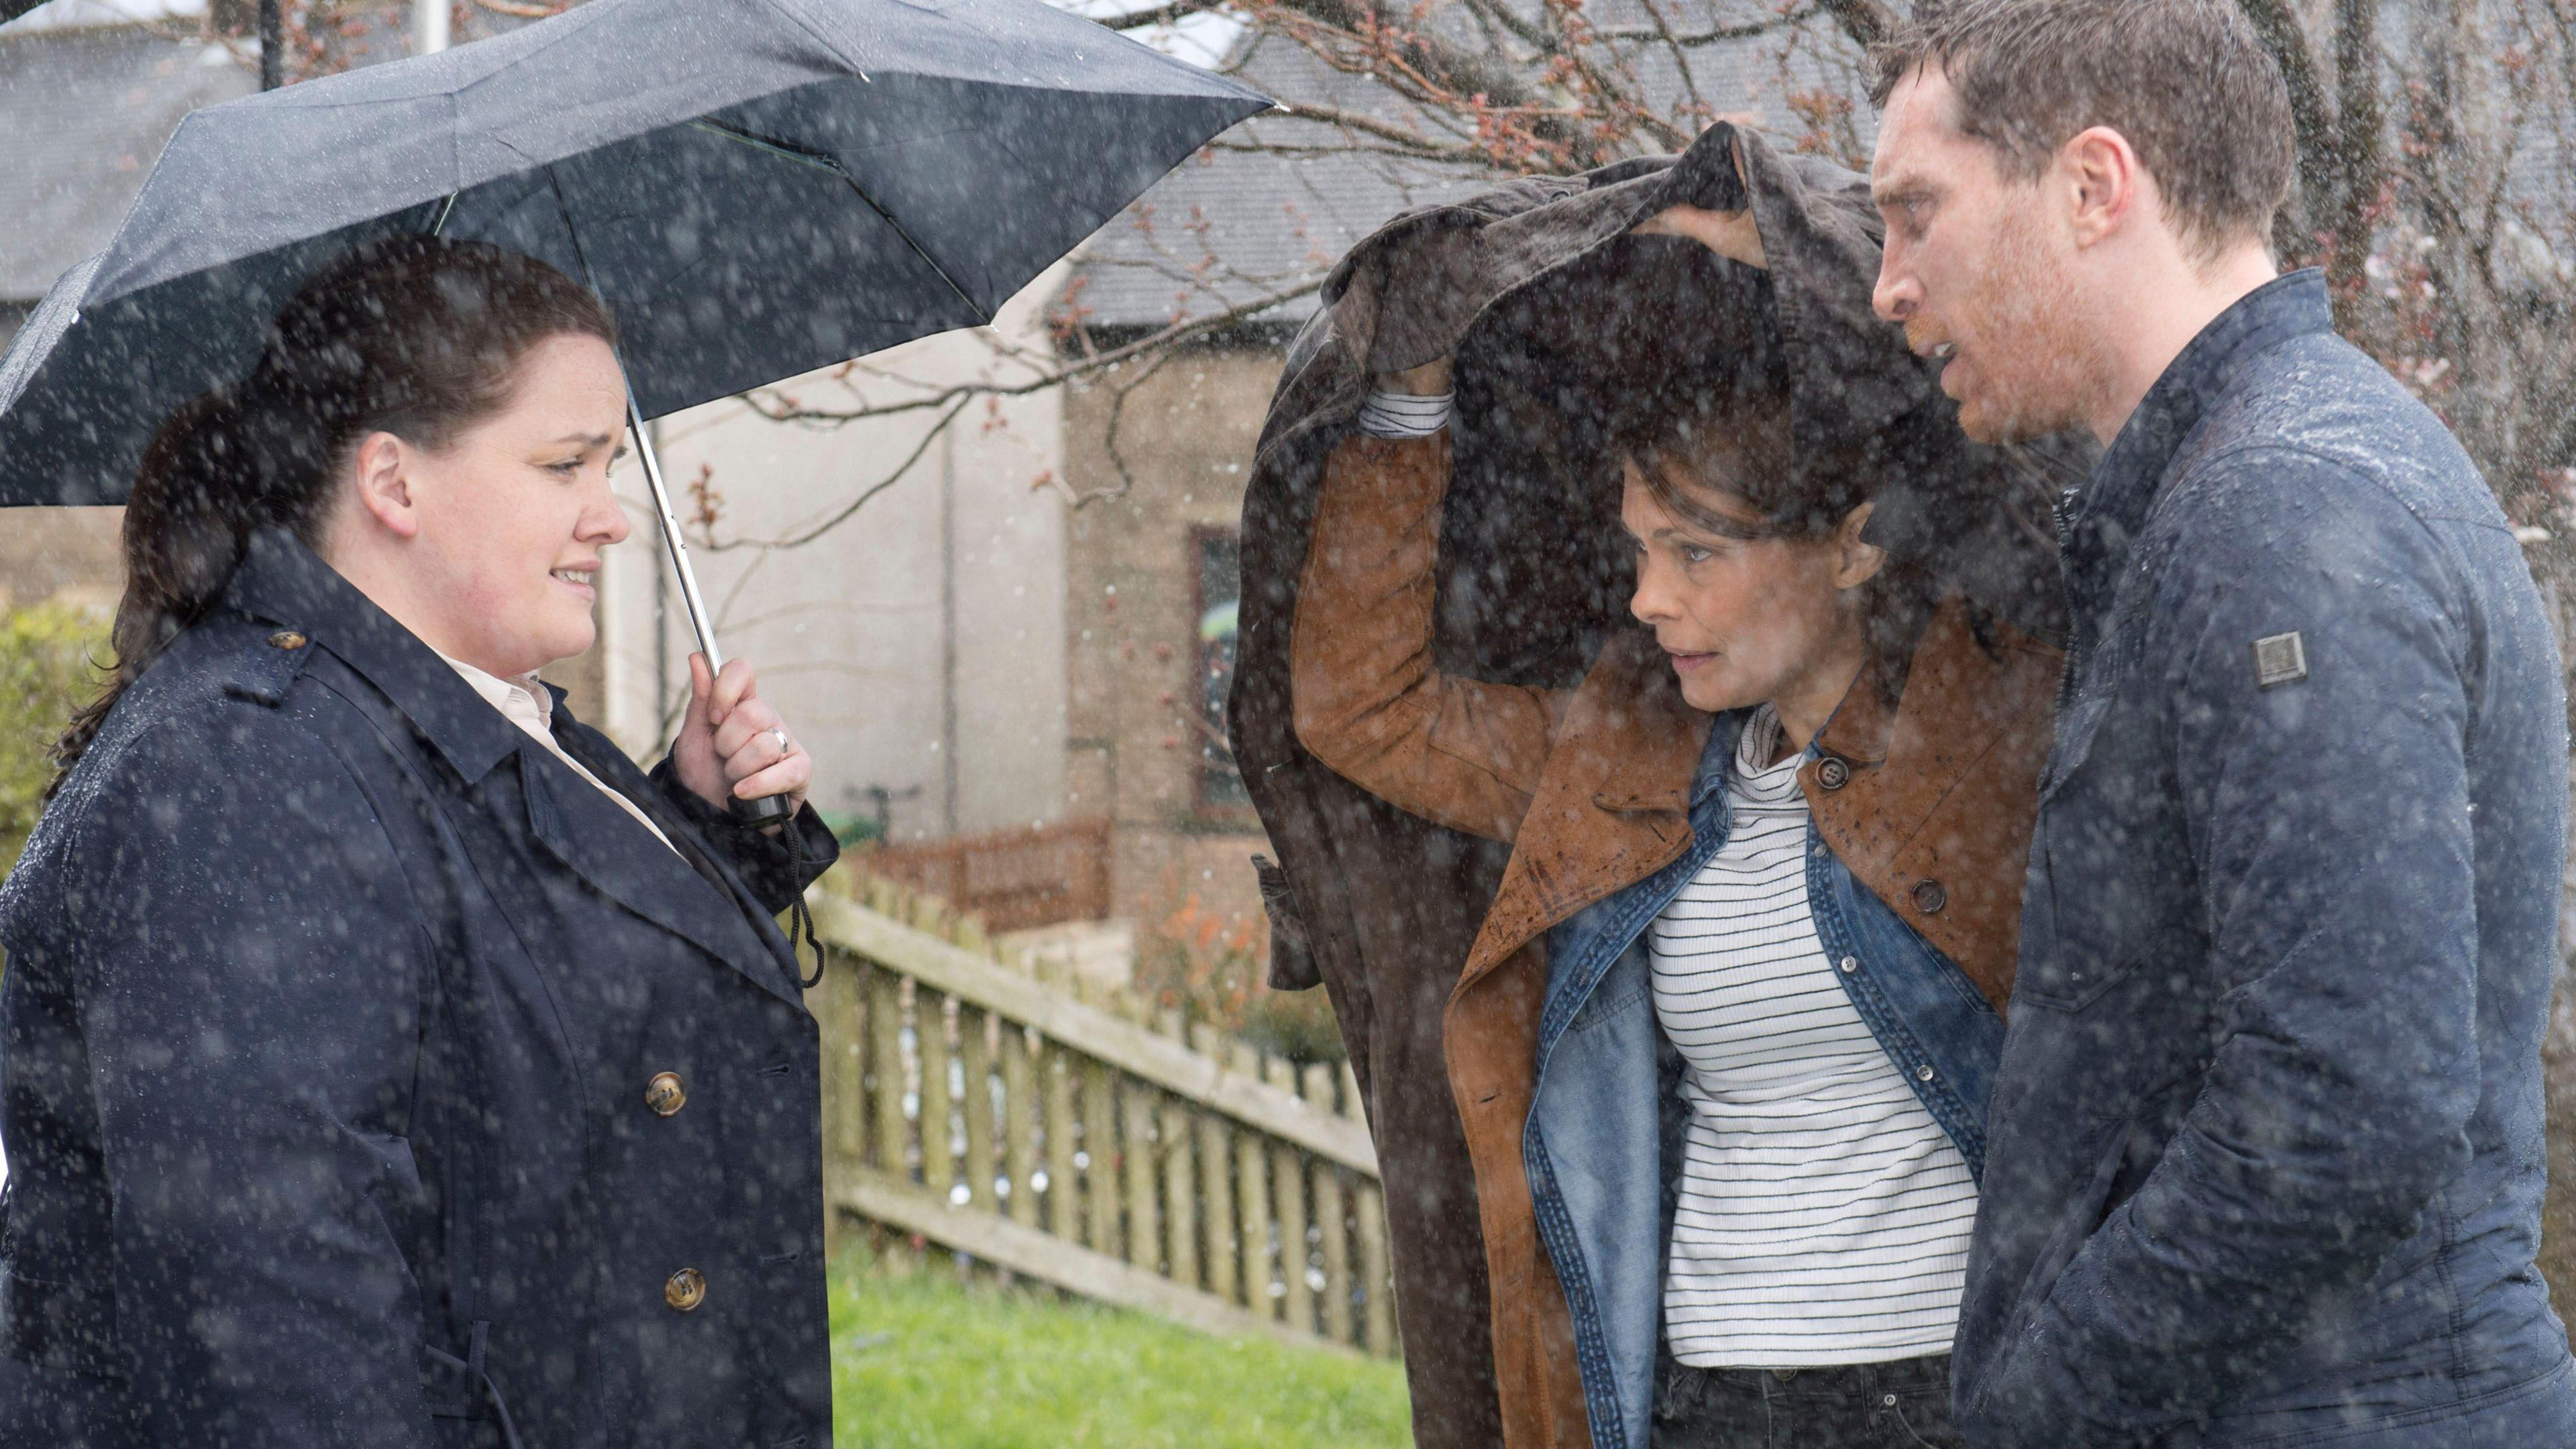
(769, 809)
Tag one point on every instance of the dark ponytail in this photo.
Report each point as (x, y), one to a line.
(414, 336)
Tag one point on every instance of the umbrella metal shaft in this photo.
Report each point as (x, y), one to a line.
(700, 622)
(768, 810)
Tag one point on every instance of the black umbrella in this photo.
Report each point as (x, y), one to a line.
(757, 188)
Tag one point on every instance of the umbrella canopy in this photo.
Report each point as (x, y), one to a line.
(756, 187)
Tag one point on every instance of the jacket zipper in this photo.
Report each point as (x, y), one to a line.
(2062, 514)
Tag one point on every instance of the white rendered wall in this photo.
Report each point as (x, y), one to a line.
(919, 646)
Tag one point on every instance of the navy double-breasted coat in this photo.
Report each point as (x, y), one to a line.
(333, 1054)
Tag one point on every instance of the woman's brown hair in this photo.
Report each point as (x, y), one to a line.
(1709, 419)
(415, 336)
(1702, 403)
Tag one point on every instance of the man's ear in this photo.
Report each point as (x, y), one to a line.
(1855, 562)
(382, 465)
(2099, 175)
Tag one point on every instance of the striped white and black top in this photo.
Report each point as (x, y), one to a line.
(1824, 1215)
(1404, 415)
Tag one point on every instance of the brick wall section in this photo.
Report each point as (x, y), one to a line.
(1187, 433)
(64, 553)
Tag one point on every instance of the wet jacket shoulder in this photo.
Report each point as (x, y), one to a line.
(323, 1046)
(216, 862)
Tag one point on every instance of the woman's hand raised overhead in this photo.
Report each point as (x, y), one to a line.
(732, 744)
(1431, 379)
(1730, 234)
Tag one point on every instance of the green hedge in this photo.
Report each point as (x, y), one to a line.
(45, 674)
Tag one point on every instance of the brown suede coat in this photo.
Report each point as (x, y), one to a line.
(1424, 924)
(1931, 809)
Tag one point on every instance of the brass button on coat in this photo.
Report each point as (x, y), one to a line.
(286, 639)
(1832, 773)
(685, 1289)
(666, 1093)
(1929, 897)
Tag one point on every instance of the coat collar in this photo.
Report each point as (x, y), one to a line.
(2107, 513)
(282, 582)
(1611, 806)
(1860, 727)
(681, 889)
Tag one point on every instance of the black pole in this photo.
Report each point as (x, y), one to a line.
(272, 46)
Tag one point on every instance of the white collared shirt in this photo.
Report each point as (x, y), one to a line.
(525, 703)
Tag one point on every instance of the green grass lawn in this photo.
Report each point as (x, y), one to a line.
(920, 1360)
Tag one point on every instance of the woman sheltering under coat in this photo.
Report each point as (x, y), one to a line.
(388, 1060)
(1651, 559)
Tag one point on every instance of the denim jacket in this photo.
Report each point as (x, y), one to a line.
(1602, 1140)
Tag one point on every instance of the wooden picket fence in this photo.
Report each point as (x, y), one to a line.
(1031, 875)
(1011, 1113)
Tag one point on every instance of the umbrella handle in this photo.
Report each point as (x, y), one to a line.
(769, 809)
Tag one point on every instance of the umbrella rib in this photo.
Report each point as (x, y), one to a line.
(826, 162)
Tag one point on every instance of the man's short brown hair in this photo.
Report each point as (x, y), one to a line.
(2186, 81)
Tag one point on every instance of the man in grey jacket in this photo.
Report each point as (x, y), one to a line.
(2265, 1160)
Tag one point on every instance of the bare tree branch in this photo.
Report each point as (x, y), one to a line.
(1109, 435)
(1291, 150)
(2321, 173)
(1163, 14)
(1754, 30)
(850, 510)
(1502, 14)
(1867, 22)
(2357, 141)
(1439, 70)
(1179, 332)
(1413, 141)
(1439, 63)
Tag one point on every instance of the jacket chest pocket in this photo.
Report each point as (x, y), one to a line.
(2109, 893)
(2074, 741)
(2112, 676)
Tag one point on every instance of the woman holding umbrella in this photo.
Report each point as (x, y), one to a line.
(1766, 861)
(388, 1061)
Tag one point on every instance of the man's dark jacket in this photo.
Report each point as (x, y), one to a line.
(331, 1008)
(2265, 1158)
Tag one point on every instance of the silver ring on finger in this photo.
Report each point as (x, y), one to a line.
(784, 748)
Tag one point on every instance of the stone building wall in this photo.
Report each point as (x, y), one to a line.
(66, 554)
(1136, 567)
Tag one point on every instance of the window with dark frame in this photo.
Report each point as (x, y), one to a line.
(1216, 569)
